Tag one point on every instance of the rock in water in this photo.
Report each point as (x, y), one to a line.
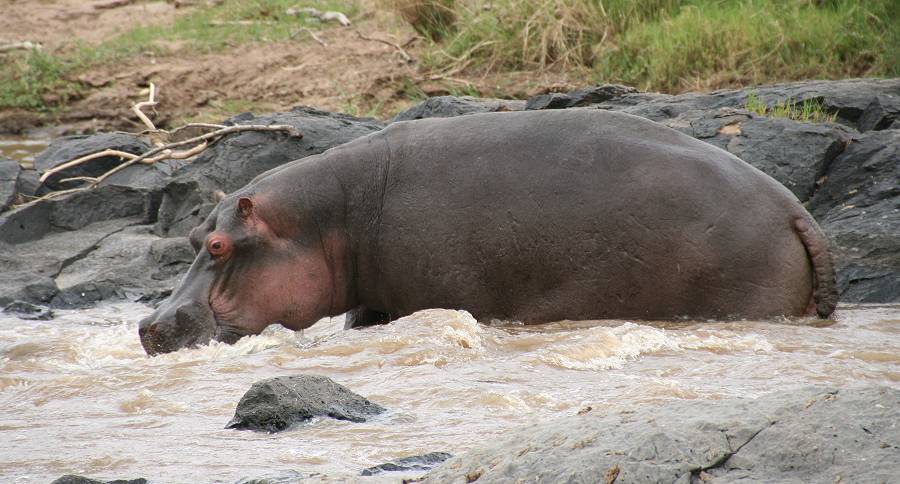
(73, 479)
(26, 310)
(413, 463)
(275, 404)
(801, 435)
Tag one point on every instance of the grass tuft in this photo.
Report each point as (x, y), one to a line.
(809, 110)
(677, 45)
(44, 81)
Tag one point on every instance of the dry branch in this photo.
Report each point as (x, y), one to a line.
(323, 16)
(108, 4)
(400, 50)
(163, 149)
(311, 34)
(24, 45)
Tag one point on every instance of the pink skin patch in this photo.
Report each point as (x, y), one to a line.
(283, 283)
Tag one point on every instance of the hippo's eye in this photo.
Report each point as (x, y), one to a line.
(217, 245)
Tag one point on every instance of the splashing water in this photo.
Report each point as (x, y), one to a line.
(78, 395)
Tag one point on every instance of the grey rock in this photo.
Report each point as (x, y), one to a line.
(579, 97)
(26, 310)
(794, 153)
(74, 479)
(29, 270)
(850, 99)
(9, 178)
(68, 148)
(799, 435)
(283, 477)
(859, 208)
(414, 463)
(275, 404)
(28, 182)
(132, 264)
(237, 159)
(450, 106)
(76, 210)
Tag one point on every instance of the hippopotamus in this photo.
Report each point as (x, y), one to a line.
(531, 217)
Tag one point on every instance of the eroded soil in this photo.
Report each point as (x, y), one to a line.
(347, 74)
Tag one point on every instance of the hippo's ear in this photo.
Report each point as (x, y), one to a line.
(245, 207)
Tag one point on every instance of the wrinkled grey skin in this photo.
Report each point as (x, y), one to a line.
(529, 216)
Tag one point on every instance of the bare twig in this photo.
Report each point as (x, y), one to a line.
(400, 50)
(150, 102)
(83, 159)
(108, 4)
(149, 155)
(311, 34)
(323, 16)
(219, 23)
(24, 45)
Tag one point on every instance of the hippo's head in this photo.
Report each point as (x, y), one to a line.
(257, 264)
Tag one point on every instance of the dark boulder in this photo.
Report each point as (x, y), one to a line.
(859, 208)
(450, 106)
(26, 310)
(578, 97)
(73, 479)
(859, 103)
(235, 160)
(415, 463)
(275, 404)
(29, 269)
(131, 264)
(28, 183)
(797, 435)
(77, 210)
(68, 148)
(9, 179)
(283, 477)
(796, 154)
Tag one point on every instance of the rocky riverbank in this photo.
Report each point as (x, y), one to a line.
(126, 238)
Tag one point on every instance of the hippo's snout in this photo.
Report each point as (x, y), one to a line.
(176, 326)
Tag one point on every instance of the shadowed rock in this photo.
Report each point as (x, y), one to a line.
(9, 178)
(859, 209)
(68, 148)
(578, 97)
(805, 435)
(275, 404)
(412, 463)
(73, 479)
(450, 106)
(25, 310)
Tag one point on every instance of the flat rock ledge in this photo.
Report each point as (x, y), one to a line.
(813, 434)
(413, 463)
(276, 404)
(74, 479)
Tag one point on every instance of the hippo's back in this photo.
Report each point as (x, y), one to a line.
(546, 215)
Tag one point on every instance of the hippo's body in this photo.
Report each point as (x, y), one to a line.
(530, 216)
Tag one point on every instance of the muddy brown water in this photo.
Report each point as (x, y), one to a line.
(78, 395)
(22, 148)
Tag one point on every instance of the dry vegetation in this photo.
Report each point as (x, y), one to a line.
(216, 60)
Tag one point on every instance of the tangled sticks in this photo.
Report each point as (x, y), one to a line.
(163, 147)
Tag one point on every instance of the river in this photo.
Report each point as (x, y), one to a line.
(78, 395)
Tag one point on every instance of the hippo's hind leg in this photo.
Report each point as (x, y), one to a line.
(363, 316)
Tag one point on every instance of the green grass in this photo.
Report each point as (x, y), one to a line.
(810, 110)
(44, 81)
(676, 45)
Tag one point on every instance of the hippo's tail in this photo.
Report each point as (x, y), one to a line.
(825, 293)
